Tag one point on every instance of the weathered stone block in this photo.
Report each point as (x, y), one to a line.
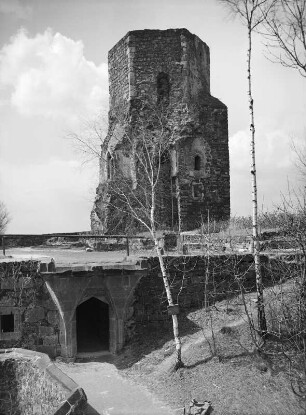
(50, 305)
(53, 317)
(7, 301)
(50, 340)
(51, 266)
(43, 267)
(45, 330)
(51, 351)
(34, 314)
(7, 284)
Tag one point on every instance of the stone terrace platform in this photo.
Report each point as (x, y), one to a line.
(66, 257)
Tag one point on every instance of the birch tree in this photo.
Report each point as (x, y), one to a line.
(135, 188)
(137, 182)
(252, 13)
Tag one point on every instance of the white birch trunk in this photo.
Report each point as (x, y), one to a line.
(262, 325)
(178, 345)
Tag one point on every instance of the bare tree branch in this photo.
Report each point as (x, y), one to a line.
(285, 30)
(90, 136)
(4, 218)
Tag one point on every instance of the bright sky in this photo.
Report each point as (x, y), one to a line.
(53, 73)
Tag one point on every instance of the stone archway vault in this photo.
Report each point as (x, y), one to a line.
(113, 286)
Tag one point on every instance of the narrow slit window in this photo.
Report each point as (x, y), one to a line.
(197, 163)
(163, 87)
(109, 166)
(7, 323)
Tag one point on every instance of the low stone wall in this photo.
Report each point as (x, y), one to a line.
(28, 315)
(134, 292)
(193, 280)
(32, 384)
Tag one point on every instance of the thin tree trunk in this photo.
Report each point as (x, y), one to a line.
(178, 345)
(179, 213)
(262, 324)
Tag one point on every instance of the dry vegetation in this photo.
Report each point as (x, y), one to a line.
(222, 363)
(26, 390)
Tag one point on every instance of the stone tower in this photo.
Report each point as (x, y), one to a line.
(169, 69)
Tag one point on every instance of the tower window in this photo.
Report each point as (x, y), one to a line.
(163, 87)
(197, 163)
(110, 166)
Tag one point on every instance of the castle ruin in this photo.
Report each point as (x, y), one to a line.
(166, 71)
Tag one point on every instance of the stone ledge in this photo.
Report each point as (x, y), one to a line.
(76, 397)
(132, 265)
(44, 263)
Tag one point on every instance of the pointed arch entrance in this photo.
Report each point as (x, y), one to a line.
(92, 326)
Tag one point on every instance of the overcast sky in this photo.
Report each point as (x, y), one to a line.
(53, 74)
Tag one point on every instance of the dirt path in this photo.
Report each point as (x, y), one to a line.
(111, 394)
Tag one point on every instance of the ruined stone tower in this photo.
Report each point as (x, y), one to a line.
(168, 69)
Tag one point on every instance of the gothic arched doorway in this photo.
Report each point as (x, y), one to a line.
(92, 324)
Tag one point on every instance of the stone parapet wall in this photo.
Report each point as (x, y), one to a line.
(39, 303)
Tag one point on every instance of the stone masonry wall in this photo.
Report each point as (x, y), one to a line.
(118, 73)
(25, 299)
(208, 138)
(190, 278)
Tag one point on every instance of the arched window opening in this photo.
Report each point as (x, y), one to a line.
(110, 165)
(197, 163)
(163, 87)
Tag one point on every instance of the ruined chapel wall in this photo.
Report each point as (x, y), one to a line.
(198, 120)
(209, 140)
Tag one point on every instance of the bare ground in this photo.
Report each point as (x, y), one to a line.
(221, 363)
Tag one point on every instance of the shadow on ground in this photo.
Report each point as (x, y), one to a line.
(154, 336)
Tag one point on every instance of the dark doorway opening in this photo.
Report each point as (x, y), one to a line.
(92, 319)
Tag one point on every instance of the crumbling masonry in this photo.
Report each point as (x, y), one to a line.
(170, 70)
